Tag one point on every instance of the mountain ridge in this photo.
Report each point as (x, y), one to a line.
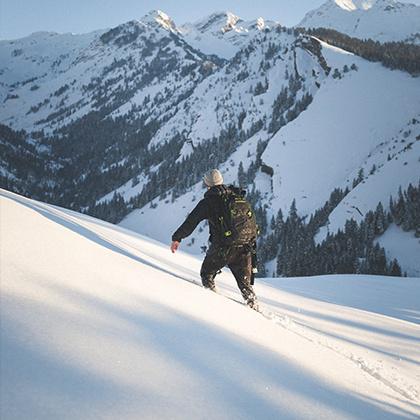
(380, 20)
(130, 118)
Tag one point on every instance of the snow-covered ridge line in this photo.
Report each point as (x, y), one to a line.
(381, 20)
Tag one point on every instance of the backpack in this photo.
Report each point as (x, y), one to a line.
(237, 220)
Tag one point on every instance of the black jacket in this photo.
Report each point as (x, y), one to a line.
(209, 208)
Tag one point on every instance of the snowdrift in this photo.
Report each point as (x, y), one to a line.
(100, 322)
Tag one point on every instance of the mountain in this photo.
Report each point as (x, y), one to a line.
(222, 33)
(122, 124)
(341, 133)
(99, 322)
(142, 79)
(123, 80)
(104, 69)
(353, 136)
(380, 20)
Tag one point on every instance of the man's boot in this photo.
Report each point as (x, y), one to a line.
(208, 282)
(250, 297)
(253, 304)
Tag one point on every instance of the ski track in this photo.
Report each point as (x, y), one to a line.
(310, 334)
(303, 331)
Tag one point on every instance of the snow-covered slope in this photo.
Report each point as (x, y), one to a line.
(50, 80)
(344, 130)
(143, 66)
(99, 322)
(395, 164)
(381, 20)
(403, 246)
(39, 54)
(231, 93)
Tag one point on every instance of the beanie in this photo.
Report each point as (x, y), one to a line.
(213, 178)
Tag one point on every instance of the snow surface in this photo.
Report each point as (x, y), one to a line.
(399, 171)
(403, 246)
(100, 322)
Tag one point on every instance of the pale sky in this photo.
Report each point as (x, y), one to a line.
(19, 18)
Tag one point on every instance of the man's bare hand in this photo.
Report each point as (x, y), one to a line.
(174, 246)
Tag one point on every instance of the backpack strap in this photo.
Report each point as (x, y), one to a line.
(225, 196)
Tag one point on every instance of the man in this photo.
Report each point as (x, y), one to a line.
(237, 256)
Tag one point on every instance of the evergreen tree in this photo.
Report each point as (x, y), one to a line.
(242, 177)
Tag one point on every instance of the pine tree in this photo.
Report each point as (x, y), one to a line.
(394, 268)
(242, 177)
(380, 220)
(360, 178)
(336, 74)
(273, 223)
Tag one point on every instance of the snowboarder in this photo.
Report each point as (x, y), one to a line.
(232, 234)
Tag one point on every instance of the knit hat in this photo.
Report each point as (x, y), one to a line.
(213, 178)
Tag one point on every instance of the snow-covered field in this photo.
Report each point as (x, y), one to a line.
(100, 322)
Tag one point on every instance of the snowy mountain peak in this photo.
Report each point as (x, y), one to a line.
(231, 21)
(361, 6)
(222, 33)
(260, 23)
(160, 18)
(381, 20)
(216, 22)
(352, 5)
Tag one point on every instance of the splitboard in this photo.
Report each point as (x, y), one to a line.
(197, 283)
(279, 319)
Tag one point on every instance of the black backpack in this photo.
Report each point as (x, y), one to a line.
(238, 225)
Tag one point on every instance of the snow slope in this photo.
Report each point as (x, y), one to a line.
(99, 322)
(381, 20)
(403, 246)
(344, 130)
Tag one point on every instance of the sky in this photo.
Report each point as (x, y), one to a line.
(19, 18)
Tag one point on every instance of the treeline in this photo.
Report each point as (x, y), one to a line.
(350, 250)
(173, 177)
(23, 168)
(394, 55)
(405, 209)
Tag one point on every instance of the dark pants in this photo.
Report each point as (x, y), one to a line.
(239, 261)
